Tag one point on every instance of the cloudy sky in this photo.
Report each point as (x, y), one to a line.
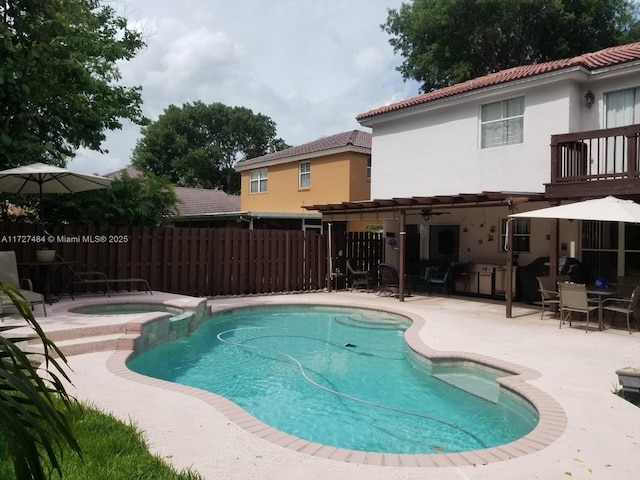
(309, 65)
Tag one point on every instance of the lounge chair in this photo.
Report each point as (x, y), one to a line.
(9, 274)
(94, 277)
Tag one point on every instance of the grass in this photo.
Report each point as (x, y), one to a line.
(111, 450)
(629, 397)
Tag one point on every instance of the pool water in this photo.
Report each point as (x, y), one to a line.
(342, 377)
(124, 309)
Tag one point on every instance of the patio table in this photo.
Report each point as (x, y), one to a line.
(600, 294)
(45, 272)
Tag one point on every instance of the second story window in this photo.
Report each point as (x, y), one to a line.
(258, 181)
(305, 174)
(502, 123)
(369, 167)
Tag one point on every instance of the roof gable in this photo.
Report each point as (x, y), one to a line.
(344, 140)
(608, 57)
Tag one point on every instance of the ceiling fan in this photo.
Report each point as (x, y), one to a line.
(427, 213)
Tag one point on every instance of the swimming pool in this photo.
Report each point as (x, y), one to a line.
(342, 377)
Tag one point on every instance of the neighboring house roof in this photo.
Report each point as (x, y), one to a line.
(200, 201)
(609, 57)
(194, 201)
(345, 141)
(132, 172)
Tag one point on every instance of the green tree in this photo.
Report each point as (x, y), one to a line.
(145, 200)
(197, 145)
(29, 418)
(444, 42)
(58, 78)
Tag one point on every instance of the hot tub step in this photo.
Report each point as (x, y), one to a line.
(71, 333)
(78, 346)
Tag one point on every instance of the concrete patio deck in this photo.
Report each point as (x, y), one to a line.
(601, 439)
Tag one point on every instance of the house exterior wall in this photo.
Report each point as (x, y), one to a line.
(340, 177)
(436, 150)
(441, 146)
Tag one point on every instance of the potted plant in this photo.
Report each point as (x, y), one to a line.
(629, 378)
(45, 252)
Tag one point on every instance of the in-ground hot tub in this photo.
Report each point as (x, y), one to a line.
(125, 309)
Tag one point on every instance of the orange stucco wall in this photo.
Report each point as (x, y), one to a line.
(335, 178)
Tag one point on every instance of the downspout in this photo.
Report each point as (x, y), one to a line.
(401, 269)
(509, 278)
(330, 260)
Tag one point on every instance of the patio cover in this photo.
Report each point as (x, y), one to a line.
(607, 209)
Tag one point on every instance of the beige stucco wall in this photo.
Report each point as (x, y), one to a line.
(334, 178)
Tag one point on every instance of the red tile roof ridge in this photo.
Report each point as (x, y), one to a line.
(355, 138)
(604, 58)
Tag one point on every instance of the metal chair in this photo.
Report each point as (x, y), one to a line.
(630, 307)
(574, 298)
(548, 294)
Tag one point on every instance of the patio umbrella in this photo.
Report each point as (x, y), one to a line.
(40, 178)
(607, 209)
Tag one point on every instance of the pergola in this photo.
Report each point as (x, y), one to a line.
(401, 206)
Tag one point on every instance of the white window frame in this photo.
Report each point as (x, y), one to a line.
(258, 181)
(507, 127)
(304, 177)
(368, 167)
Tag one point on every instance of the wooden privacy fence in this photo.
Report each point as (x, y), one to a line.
(194, 261)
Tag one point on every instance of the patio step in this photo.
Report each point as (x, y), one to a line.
(479, 386)
(78, 346)
(72, 333)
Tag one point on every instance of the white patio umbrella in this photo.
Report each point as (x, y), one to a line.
(40, 178)
(607, 209)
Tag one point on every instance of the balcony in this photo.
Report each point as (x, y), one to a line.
(595, 163)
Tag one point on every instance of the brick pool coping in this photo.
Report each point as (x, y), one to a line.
(551, 424)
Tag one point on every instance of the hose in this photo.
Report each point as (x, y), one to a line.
(335, 392)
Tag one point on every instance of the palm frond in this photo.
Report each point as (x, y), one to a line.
(29, 418)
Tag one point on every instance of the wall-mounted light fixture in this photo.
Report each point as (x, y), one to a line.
(589, 99)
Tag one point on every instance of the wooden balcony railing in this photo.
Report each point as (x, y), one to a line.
(595, 162)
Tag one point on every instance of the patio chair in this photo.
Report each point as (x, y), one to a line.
(630, 307)
(94, 277)
(9, 274)
(389, 280)
(360, 278)
(440, 279)
(574, 298)
(548, 295)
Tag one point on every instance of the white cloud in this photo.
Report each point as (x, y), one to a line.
(310, 65)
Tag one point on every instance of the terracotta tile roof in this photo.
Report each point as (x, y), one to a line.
(608, 57)
(352, 138)
(199, 201)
